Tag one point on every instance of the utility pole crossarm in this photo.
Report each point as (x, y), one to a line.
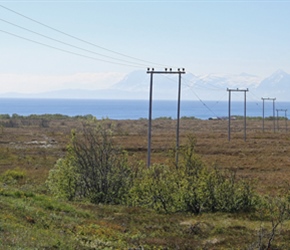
(166, 71)
(268, 98)
(238, 90)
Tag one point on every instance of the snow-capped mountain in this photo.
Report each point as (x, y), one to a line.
(136, 84)
(277, 85)
(242, 80)
(206, 87)
(134, 81)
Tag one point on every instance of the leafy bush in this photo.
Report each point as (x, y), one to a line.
(13, 175)
(191, 187)
(63, 178)
(4, 116)
(93, 168)
(155, 187)
(96, 170)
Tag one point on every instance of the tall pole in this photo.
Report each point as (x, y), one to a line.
(229, 119)
(277, 110)
(245, 115)
(266, 99)
(150, 120)
(166, 71)
(178, 119)
(274, 114)
(263, 112)
(286, 119)
(229, 125)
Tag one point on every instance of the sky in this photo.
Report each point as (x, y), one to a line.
(52, 45)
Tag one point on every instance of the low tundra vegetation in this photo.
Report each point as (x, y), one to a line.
(96, 170)
(96, 198)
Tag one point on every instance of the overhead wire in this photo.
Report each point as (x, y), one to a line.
(81, 40)
(209, 86)
(124, 62)
(277, 104)
(215, 88)
(68, 44)
(208, 83)
(255, 100)
(187, 85)
(63, 50)
(203, 103)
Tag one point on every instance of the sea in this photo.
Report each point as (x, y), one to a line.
(139, 109)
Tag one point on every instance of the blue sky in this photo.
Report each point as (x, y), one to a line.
(228, 37)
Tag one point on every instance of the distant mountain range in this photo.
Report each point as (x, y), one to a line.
(205, 87)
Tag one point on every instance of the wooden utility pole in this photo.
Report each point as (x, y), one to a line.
(269, 99)
(245, 115)
(166, 71)
(285, 116)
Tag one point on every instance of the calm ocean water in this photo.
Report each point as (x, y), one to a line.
(136, 109)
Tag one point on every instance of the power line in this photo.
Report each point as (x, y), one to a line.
(63, 50)
(256, 100)
(56, 40)
(79, 39)
(203, 103)
(191, 88)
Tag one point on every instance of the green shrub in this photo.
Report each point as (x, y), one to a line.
(155, 187)
(93, 168)
(223, 192)
(4, 116)
(13, 175)
(63, 179)
(191, 187)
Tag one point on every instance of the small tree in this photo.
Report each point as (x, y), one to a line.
(93, 168)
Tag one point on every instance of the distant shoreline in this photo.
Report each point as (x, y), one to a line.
(135, 109)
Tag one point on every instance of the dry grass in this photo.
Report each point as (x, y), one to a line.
(263, 157)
